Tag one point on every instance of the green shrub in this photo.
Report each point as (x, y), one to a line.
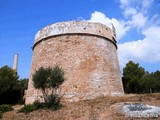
(38, 104)
(31, 107)
(53, 102)
(5, 108)
(50, 78)
(27, 108)
(1, 114)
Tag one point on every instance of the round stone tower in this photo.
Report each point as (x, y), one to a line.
(87, 52)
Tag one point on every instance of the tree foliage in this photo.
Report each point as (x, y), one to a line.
(132, 75)
(5, 108)
(151, 82)
(21, 86)
(8, 79)
(11, 89)
(51, 78)
(56, 77)
(137, 80)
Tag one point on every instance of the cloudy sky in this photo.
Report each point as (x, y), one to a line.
(137, 24)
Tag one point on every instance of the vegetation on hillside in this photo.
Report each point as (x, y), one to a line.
(5, 108)
(11, 88)
(137, 80)
(31, 107)
(101, 108)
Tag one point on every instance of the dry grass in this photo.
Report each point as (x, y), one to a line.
(102, 108)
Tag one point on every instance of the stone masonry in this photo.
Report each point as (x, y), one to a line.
(87, 52)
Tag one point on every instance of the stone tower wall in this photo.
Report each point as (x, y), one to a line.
(87, 52)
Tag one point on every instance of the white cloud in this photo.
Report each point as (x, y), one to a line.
(124, 2)
(140, 5)
(146, 3)
(145, 50)
(120, 25)
(136, 17)
(100, 17)
(138, 20)
(136, 12)
(130, 11)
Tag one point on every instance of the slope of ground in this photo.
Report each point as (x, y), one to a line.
(102, 108)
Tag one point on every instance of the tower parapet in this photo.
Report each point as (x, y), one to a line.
(76, 27)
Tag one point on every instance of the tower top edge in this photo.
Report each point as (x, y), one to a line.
(68, 27)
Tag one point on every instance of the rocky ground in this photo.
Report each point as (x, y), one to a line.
(102, 108)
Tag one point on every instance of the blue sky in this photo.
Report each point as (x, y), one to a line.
(137, 24)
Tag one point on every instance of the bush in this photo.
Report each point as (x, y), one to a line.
(31, 107)
(53, 102)
(49, 78)
(1, 114)
(5, 108)
(11, 89)
(27, 108)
